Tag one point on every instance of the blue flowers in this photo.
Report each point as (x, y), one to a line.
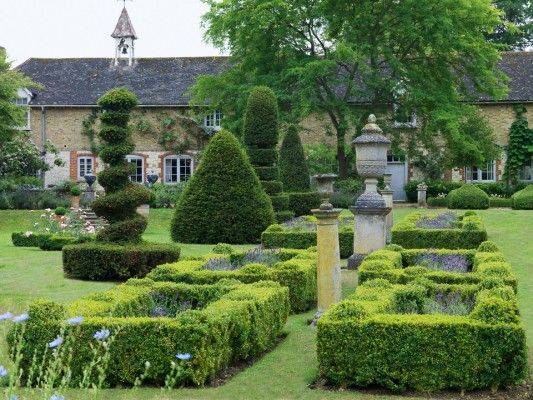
(102, 334)
(5, 316)
(75, 321)
(57, 397)
(3, 371)
(13, 397)
(183, 356)
(56, 342)
(20, 318)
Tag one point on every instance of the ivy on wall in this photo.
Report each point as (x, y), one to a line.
(88, 130)
(520, 146)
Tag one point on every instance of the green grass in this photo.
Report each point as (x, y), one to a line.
(284, 373)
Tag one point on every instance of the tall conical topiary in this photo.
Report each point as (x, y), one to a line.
(122, 197)
(223, 201)
(261, 137)
(294, 170)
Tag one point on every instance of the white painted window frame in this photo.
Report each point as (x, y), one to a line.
(469, 173)
(213, 120)
(23, 100)
(178, 158)
(78, 166)
(130, 158)
(522, 171)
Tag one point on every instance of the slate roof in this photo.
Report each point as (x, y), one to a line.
(165, 81)
(124, 28)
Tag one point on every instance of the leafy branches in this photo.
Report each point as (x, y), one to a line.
(520, 146)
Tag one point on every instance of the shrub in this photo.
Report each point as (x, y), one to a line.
(283, 216)
(75, 191)
(379, 336)
(500, 201)
(223, 200)
(122, 197)
(294, 171)
(342, 200)
(469, 233)
(523, 200)
(303, 203)
(60, 211)
(437, 202)
(436, 187)
(468, 197)
(27, 239)
(218, 325)
(56, 242)
(166, 196)
(108, 261)
(295, 269)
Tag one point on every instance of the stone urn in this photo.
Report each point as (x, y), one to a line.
(325, 188)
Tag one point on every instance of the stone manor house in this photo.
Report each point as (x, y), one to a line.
(71, 87)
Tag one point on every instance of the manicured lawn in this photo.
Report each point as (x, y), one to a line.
(284, 373)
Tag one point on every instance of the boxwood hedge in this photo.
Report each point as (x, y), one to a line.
(384, 335)
(523, 200)
(295, 269)
(218, 325)
(27, 239)
(468, 233)
(279, 236)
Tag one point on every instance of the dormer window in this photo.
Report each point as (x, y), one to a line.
(213, 120)
(23, 100)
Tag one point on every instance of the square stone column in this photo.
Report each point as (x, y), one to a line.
(387, 194)
(329, 262)
(422, 193)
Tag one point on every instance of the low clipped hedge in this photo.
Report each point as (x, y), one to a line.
(229, 323)
(495, 201)
(27, 239)
(398, 265)
(56, 242)
(382, 335)
(279, 236)
(302, 203)
(105, 261)
(469, 233)
(296, 270)
(523, 200)
(468, 197)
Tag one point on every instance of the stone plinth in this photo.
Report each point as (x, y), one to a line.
(387, 194)
(329, 263)
(422, 193)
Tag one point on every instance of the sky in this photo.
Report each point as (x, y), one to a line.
(82, 28)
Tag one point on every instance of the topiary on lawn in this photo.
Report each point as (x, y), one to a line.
(293, 167)
(468, 197)
(261, 138)
(122, 197)
(523, 200)
(223, 201)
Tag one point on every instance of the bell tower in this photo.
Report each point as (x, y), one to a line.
(125, 37)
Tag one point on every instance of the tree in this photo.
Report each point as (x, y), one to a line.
(520, 146)
(292, 163)
(122, 197)
(321, 55)
(223, 201)
(516, 30)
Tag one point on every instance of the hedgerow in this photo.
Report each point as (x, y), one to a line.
(27, 239)
(423, 335)
(216, 326)
(295, 269)
(467, 233)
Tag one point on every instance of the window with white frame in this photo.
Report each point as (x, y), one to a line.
(138, 165)
(485, 174)
(178, 169)
(85, 166)
(214, 120)
(23, 100)
(526, 174)
(403, 117)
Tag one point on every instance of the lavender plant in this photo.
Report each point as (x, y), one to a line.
(445, 220)
(444, 262)
(452, 303)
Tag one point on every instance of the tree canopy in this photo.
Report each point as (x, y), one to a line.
(320, 56)
(516, 30)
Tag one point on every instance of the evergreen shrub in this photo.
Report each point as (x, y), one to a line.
(523, 200)
(223, 201)
(301, 203)
(468, 197)
(27, 239)
(495, 201)
(294, 171)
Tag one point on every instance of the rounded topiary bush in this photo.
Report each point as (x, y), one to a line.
(294, 170)
(224, 200)
(468, 197)
(523, 200)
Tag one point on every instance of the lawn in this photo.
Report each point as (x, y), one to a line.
(284, 373)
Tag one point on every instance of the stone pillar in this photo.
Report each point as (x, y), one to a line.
(387, 194)
(329, 263)
(422, 191)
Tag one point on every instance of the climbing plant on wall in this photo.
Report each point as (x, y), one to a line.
(520, 146)
(87, 129)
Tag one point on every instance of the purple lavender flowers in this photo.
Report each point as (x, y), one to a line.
(443, 262)
(446, 220)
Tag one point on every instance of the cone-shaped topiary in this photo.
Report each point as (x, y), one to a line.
(122, 197)
(293, 167)
(261, 136)
(223, 201)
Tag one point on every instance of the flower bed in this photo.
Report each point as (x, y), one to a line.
(300, 233)
(443, 231)
(464, 266)
(204, 329)
(424, 336)
(295, 269)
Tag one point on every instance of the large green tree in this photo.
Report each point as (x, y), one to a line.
(516, 30)
(320, 55)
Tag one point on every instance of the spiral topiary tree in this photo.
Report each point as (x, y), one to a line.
(122, 197)
(261, 137)
(223, 201)
(293, 166)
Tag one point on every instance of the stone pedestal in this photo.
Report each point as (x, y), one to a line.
(387, 194)
(370, 232)
(144, 210)
(329, 263)
(422, 193)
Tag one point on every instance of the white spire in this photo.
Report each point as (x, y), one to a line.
(125, 36)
